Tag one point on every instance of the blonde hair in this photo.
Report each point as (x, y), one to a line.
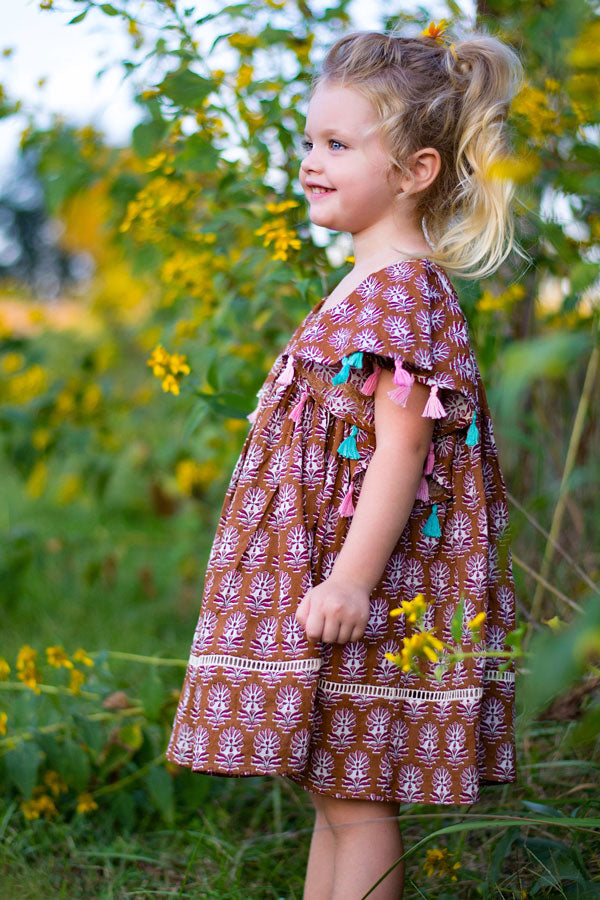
(456, 100)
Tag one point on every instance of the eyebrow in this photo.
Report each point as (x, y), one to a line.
(328, 131)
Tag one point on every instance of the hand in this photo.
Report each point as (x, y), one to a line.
(335, 611)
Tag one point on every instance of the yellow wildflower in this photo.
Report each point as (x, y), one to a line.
(12, 362)
(170, 384)
(55, 782)
(520, 169)
(436, 31)
(178, 364)
(244, 77)
(57, 657)
(25, 656)
(3, 721)
(411, 608)
(242, 42)
(40, 438)
(30, 807)
(81, 656)
(533, 104)
(86, 803)
(191, 476)
(277, 233)
(281, 206)
(36, 483)
(26, 385)
(477, 620)
(70, 488)
(4, 669)
(76, 680)
(438, 862)
(30, 675)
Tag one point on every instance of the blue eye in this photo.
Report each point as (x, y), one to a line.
(306, 145)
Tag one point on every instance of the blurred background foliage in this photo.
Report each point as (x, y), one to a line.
(152, 286)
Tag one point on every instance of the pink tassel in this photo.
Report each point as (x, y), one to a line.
(433, 407)
(400, 394)
(401, 376)
(371, 382)
(423, 489)
(252, 416)
(297, 410)
(346, 508)
(430, 460)
(287, 375)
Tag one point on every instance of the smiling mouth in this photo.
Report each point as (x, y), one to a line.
(319, 191)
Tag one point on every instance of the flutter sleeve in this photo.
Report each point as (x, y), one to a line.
(410, 321)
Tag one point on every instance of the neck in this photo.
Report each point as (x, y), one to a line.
(387, 241)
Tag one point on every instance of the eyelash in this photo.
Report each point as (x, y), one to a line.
(307, 144)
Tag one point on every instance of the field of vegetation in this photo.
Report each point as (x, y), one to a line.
(184, 261)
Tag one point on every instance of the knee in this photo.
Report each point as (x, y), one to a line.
(361, 813)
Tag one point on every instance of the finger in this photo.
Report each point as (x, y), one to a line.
(344, 634)
(357, 632)
(331, 630)
(303, 610)
(314, 625)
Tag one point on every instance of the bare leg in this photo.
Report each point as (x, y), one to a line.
(319, 872)
(367, 842)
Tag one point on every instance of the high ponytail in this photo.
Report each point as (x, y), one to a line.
(455, 99)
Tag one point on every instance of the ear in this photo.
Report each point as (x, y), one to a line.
(425, 165)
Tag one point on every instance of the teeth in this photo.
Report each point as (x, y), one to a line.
(318, 190)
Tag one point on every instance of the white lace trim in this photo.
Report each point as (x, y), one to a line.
(334, 687)
(394, 693)
(244, 662)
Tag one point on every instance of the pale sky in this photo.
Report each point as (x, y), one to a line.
(69, 56)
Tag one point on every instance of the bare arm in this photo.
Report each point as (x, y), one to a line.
(337, 610)
(390, 484)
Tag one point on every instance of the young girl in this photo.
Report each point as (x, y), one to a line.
(370, 475)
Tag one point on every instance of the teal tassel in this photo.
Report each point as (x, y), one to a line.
(355, 359)
(473, 432)
(348, 446)
(431, 528)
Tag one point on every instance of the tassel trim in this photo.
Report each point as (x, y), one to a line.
(433, 407)
(348, 446)
(287, 375)
(423, 490)
(296, 413)
(371, 382)
(431, 528)
(473, 432)
(429, 463)
(355, 359)
(404, 381)
(346, 508)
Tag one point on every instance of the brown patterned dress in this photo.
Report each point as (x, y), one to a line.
(342, 719)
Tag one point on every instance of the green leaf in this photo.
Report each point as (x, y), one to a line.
(22, 763)
(147, 135)
(195, 418)
(131, 735)
(160, 788)
(186, 88)
(74, 765)
(109, 9)
(78, 18)
(457, 621)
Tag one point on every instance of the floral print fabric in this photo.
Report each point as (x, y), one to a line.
(257, 697)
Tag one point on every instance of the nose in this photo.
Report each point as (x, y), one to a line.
(311, 161)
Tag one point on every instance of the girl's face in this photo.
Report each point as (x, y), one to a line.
(340, 157)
